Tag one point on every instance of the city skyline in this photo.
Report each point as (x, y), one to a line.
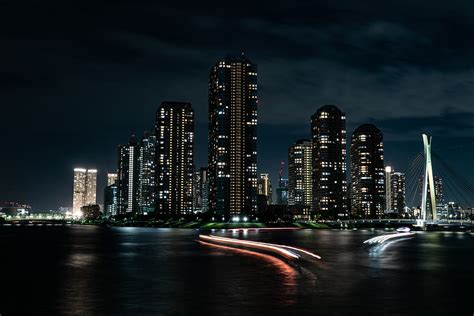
(115, 88)
(327, 111)
(237, 158)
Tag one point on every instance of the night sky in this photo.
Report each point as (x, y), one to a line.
(78, 77)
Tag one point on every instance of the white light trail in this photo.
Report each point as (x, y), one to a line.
(384, 238)
(263, 229)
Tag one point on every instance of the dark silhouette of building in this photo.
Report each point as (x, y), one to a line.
(174, 159)
(111, 199)
(128, 177)
(282, 191)
(232, 137)
(328, 128)
(91, 212)
(367, 172)
(201, 191)
(439, 192)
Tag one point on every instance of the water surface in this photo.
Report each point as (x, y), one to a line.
(97, 270)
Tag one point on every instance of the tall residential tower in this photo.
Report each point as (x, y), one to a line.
(300, 173)
(367, 170)
(233, 137)
(394, 191)
(128, 179)
(146, 173)
(328, 129)
(174, 159)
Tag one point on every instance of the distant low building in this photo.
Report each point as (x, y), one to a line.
(299, 212)
(15, 209)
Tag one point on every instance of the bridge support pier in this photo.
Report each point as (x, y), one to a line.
(428, 182)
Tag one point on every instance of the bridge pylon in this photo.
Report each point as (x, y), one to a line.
(428, 183)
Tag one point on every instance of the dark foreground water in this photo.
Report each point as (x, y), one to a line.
(96, 270)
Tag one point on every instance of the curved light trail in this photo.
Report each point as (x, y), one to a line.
(303, 251)
(262, 229)
(288, 252)
(384, 238)
(380, 248)
(252, 244)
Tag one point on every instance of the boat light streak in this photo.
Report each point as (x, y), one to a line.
(384, 238)
(303, 251)
(287, 251)
(263, 229)
(273, 248)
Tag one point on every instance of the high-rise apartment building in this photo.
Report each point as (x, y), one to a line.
(84, 188)
(79, 189)
(367, 172)
(233, 137)
(328, 129)
(174, 159)
(128, 177)
(300, 173)
(91, 187)
(146, 173)
(394, 191)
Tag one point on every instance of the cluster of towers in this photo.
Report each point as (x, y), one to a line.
(157, 173)
(317, 171)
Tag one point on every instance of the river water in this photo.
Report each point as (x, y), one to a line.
(136, 271)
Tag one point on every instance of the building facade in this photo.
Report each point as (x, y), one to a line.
(282, 191)
(175, 159)
(146, 173)
(232, 138)
(84, 188)
(111, 178)
(367, 172)
(264, 187)
(300, 173)
(395, 191)
(201, 191)
(128, 177)
(111, 199)
(328, 130)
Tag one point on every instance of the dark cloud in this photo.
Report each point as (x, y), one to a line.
(79, 76)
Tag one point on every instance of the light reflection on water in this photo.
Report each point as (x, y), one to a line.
(94, 270)
(283, 270)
